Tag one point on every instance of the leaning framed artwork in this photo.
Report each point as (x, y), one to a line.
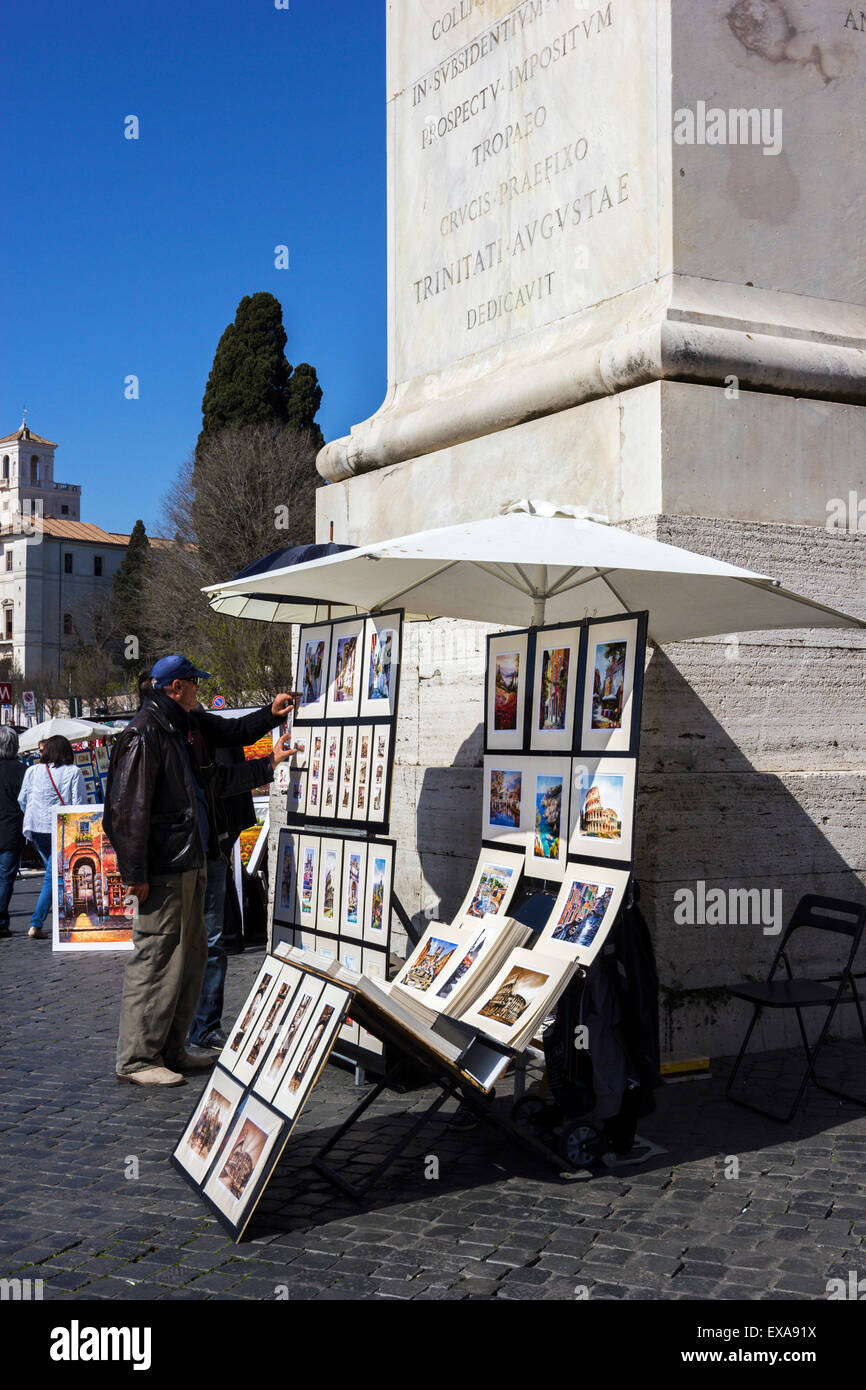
(207, 1125)
(505, 693)
(90, 911)
(613, 669)
(584, 912)
(244, 1163)
(494, 879)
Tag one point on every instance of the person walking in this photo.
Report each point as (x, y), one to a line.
(11, 820)
(161, 819)
(53, 781)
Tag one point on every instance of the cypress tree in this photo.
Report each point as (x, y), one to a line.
(127, 586)
(252, 383)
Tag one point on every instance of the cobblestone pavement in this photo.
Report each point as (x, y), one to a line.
(496, 1223)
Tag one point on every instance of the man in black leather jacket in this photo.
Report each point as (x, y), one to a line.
(160, 817)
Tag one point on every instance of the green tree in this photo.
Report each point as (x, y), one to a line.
(305, 397)
(252, 383)
(126, 593)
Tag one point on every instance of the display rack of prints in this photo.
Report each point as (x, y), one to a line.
(336, 885)
(348, 674)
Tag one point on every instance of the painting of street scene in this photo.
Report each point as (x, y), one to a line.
(209, 1125)
(505, 792)
(583, 914)
(241, 1162)
(505, 696)
(554, 688)
(429, 965)
(90, 895)
(548, 814)
(607, 685)
(377, 901)
(344, 679)
(381, 647)
(314, 659)
(489, 895)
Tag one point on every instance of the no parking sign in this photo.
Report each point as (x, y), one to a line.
(219, 702)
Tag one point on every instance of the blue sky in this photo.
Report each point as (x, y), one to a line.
(258, 127)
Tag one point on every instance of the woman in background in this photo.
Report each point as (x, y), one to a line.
(11, 777)
(53, 781)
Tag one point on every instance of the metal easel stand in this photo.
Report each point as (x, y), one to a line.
(450, 1086)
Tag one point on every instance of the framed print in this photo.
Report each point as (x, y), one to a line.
(494, 879)
(506, 810)
(351, 956)
(310, 1053)
(362, 771)
(602, 808)
(352, 890)
(254, 1005)
(326, 946)
(521, 992)
(608, 686)
(301, 742)
(381, 671)
(377, 895)
(102, 758)
(308, 880)
(295, 781)
(481, 939)
(208, 1124)
(330, 882)
(344, 679)
(90, 911)
(291, 1030)
(584, 911)
(286, 879)
(505, 690)
(314, 650)
(315, 772)
(557, 657)
(346, 778)
(243, 1163)
(267, 1025)
(433, 960)
(547, 844)
(333, 738)
(380, 766)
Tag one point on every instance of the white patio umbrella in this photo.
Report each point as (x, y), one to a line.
(76, 730)
(538, 563)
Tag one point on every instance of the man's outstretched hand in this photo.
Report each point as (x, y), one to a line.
(284, 748)
(140, 891)
(283, 703)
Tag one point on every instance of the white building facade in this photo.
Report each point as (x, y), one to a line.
(55, 570)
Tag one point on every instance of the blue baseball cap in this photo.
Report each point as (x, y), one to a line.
(173, 668)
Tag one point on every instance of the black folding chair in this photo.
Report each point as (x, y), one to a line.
(821, 914)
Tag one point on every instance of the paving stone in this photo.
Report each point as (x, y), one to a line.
(502, 1229)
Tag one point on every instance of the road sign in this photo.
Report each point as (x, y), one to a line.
(28, 700)
(219, 701)
(5, 693)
